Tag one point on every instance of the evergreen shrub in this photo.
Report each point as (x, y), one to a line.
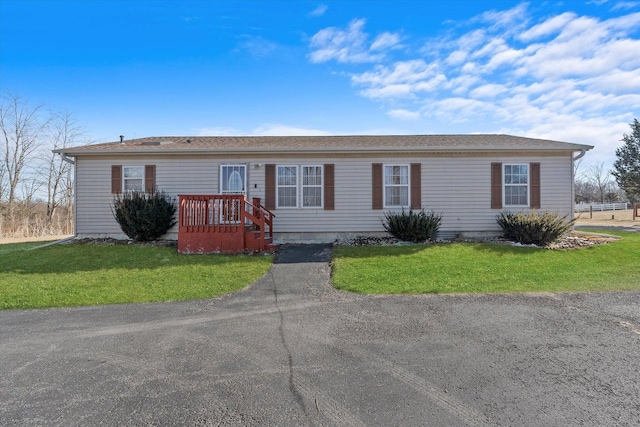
(538, 228)
(412, 226)
(144, 216)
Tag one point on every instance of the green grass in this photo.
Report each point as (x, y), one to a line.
(486, 268)
(77, 274)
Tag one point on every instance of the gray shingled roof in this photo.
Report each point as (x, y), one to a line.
(324, 144)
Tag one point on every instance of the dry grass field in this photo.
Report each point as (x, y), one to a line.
(608, 218)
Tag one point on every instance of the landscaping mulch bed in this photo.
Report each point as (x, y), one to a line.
(573, 241)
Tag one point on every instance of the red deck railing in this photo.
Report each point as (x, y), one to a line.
(224, 213)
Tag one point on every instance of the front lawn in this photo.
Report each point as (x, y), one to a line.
(486, 267)
(81, 274)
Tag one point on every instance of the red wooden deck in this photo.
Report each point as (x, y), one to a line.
(221, 223)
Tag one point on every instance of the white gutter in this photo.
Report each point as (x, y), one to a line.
(579, 156)
(66, 159)
(315, 150)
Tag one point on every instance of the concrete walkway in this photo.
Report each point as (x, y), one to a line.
(292, 351)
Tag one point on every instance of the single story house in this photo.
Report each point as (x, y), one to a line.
(319, 188)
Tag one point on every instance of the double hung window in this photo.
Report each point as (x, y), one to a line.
(516, 185)
(311, 186)
(396, 185)
(299, 186)
(133, 178)
(287, 186)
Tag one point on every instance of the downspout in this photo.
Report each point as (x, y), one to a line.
(64, 157)
(67, 159)
(579, 156)
(573, 181)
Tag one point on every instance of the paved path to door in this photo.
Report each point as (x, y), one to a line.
(292, 351)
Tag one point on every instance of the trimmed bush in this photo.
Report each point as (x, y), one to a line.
(144, 216)
(538, 228)
(412, 226)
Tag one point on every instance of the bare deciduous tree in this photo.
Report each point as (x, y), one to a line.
(34, 182)
(600, 178)
(63, 131)
(3, 179)
(20, 128)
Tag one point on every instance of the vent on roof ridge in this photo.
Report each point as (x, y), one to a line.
(163, 142)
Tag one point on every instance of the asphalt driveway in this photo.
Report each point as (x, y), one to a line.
(290, 350)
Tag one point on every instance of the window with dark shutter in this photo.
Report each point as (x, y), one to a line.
(329, 187)
(116, 179)
(149, 178)
(270, 186)
(535, 185)
(416, 186)
(496, 185)
(376, 178)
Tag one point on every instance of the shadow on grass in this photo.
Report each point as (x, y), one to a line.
(373, 251)
(504, 249)
(437, 249)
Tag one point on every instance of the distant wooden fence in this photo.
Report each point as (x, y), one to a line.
(590, 207)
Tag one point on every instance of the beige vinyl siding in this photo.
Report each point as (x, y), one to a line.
(460, 188)
(174, 176)
(457, 186)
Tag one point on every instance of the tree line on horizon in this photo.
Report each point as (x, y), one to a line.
(620, 184)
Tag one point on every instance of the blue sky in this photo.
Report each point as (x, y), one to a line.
(567, 71)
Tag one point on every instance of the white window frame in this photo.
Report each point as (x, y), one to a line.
(505, 185)
(303, 186)
(125, 179)
(296, 186)
(300, 186)
(385, 185)
(244, 178)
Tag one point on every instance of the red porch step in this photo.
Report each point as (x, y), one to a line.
(223, 223)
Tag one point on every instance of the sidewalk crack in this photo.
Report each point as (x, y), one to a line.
(292, 386)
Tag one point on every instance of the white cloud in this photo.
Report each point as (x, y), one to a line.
(386, 41)
(624, 5)
(403, 79)
(456, 57)
(401, 114)
(351, 45)
(341, 45)
(257, 47)
(548, 27)
(566, 76)
(488, 91)
(510, 21)
(616, 81)
(401, 72)
(319, 11)
(388, 91)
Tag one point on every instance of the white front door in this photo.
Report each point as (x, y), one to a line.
(233, 179)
